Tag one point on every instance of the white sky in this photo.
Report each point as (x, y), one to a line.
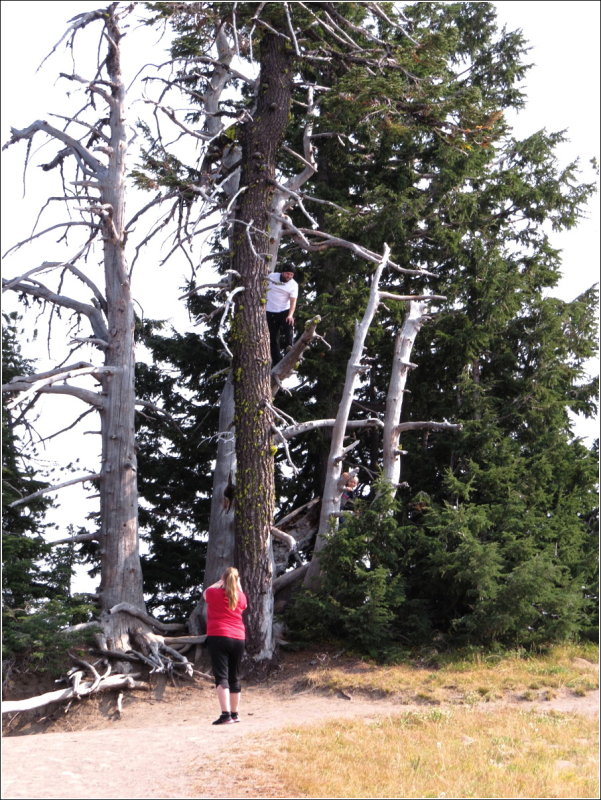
(562, 88)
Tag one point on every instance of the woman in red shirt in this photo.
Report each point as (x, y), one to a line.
(225, 639)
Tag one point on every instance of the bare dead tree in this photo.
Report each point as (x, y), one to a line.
(330, 506)
(92, 167)
(401, 366)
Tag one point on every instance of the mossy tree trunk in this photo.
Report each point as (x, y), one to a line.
(254, 507)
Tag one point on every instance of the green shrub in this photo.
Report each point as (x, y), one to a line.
(35, 641)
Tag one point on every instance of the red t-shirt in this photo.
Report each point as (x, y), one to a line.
(221, 620)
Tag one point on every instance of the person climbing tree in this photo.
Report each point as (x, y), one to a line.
(349, 492)
(282, 294)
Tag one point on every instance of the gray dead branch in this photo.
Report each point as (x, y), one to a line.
(82, 689)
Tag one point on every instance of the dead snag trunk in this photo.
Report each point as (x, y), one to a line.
(221, 554)
(100, 189)
(401, 366)
(220, 545)
(332, 489)
(121, 572)
(261, 137)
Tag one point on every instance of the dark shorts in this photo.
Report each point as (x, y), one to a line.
(226, 658)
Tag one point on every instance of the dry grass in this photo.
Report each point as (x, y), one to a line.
(470, 680)
(457, 753)
(459, 750)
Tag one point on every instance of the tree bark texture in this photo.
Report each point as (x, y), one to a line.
(221, 544)
(261, 137)
(121, 570)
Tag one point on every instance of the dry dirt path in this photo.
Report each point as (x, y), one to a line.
(169, 749)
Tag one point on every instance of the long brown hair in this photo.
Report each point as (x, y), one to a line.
(230, 583)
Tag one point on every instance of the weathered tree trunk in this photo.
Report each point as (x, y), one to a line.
(221, 542)
(401, 366)
(121, 571)
(113, 334)
(83, 689)
(220, 547)
(332, 489)
(254, 505)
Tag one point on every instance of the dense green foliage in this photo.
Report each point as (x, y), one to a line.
(493, 532)
(477, 573)
(36, 578)
(23, 547)
(175, 462)
(34, 641)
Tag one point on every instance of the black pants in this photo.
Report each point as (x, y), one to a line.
(278, 329)
(226, 657)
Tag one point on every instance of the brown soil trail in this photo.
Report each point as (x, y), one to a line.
(168, 748)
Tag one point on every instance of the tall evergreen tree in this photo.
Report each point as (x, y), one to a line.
(420, 156)
(288, 68)
(502, 360)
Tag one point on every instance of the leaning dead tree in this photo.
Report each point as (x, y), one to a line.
(318, 522)
(90, 156)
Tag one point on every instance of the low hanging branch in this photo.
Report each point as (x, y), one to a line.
(27, 385)
(431, 426)
(36, 289)
(315, 424)
(327, 240)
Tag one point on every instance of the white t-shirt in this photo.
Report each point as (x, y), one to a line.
(279, 293)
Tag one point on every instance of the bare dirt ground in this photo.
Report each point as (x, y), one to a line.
(164, 746)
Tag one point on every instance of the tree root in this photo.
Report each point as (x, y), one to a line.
(157, 652)
(80, 688)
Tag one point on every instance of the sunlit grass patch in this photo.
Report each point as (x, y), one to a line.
(441, 753)
(469, 678)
